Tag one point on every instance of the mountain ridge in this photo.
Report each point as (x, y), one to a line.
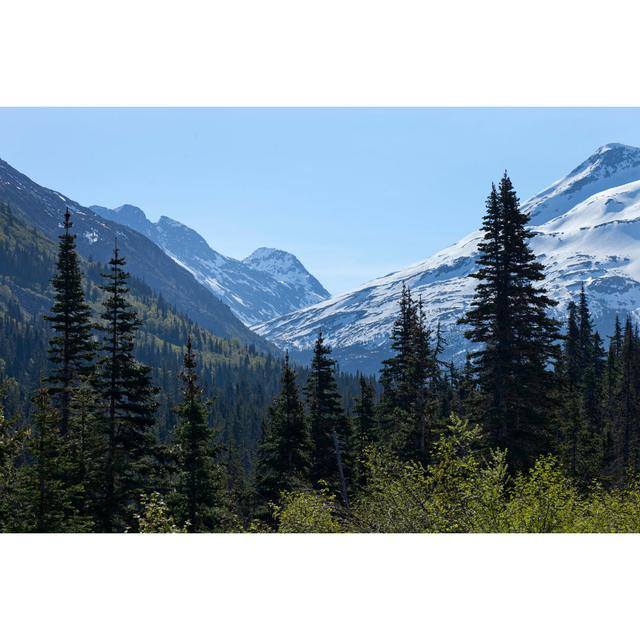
(255, 289)
(44, 208)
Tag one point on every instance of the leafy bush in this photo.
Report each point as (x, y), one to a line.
(308, 512)
(466, 489)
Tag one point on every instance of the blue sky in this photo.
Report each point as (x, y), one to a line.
(354, 193)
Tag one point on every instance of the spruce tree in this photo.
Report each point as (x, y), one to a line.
(626, 406)
(509, 318)
(284, 453)
(592, 366)
(611, 377)
(128, 405)
(593, 454)
(200, 474)
(71, 348)
(407, 380)
(52, 497)
(364, 428)
(569, 389)
(326, 420)
(84, 445)
(585, 330)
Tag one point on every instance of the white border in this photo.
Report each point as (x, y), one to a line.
(319, 587)
(334, 52)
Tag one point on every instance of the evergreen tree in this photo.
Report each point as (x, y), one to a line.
(573, 346)
(585, 330)
(612, 375)
(71, 348)
(326, 421)
(594, 395)
(84, 445)
(200, 475)
(363, 429)
(127, 405)
(508, 316)
(52, 497)
(571, 409)
(284, 454)
(407, 379)
(626, 406)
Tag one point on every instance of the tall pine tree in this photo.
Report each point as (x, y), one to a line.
(364, 428)
(509, 318)
(51, 496)
(284, 453)
(408, 379)
(200, 473)
(71, 348)
(127, 406)
(326, 421)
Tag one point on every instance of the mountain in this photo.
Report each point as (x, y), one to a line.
(587, 228)
(267, 284)
(44, 208)
(286, 268)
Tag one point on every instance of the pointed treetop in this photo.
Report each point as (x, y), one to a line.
(67, 221)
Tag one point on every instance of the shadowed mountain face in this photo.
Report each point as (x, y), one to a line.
(587, 229)
(45, 208)
(267, 284)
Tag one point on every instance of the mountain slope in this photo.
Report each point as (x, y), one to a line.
(44, 208)
(267, 284)
(587, 229)
(243, 380)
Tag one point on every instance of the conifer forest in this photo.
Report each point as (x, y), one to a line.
(122, 413)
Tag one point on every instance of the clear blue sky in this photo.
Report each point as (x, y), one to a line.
(354, 193)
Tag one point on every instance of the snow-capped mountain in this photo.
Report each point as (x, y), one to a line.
(267, 284)
(286, 268)
(587, 229)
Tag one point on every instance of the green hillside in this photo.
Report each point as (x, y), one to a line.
(229, 370)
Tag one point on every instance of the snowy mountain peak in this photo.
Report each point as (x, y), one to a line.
(611, 165)
(131, 211)
(285, 267)
(262, 253)
(607, 160)
(612, 148)
(274, 261)
(126, 214)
